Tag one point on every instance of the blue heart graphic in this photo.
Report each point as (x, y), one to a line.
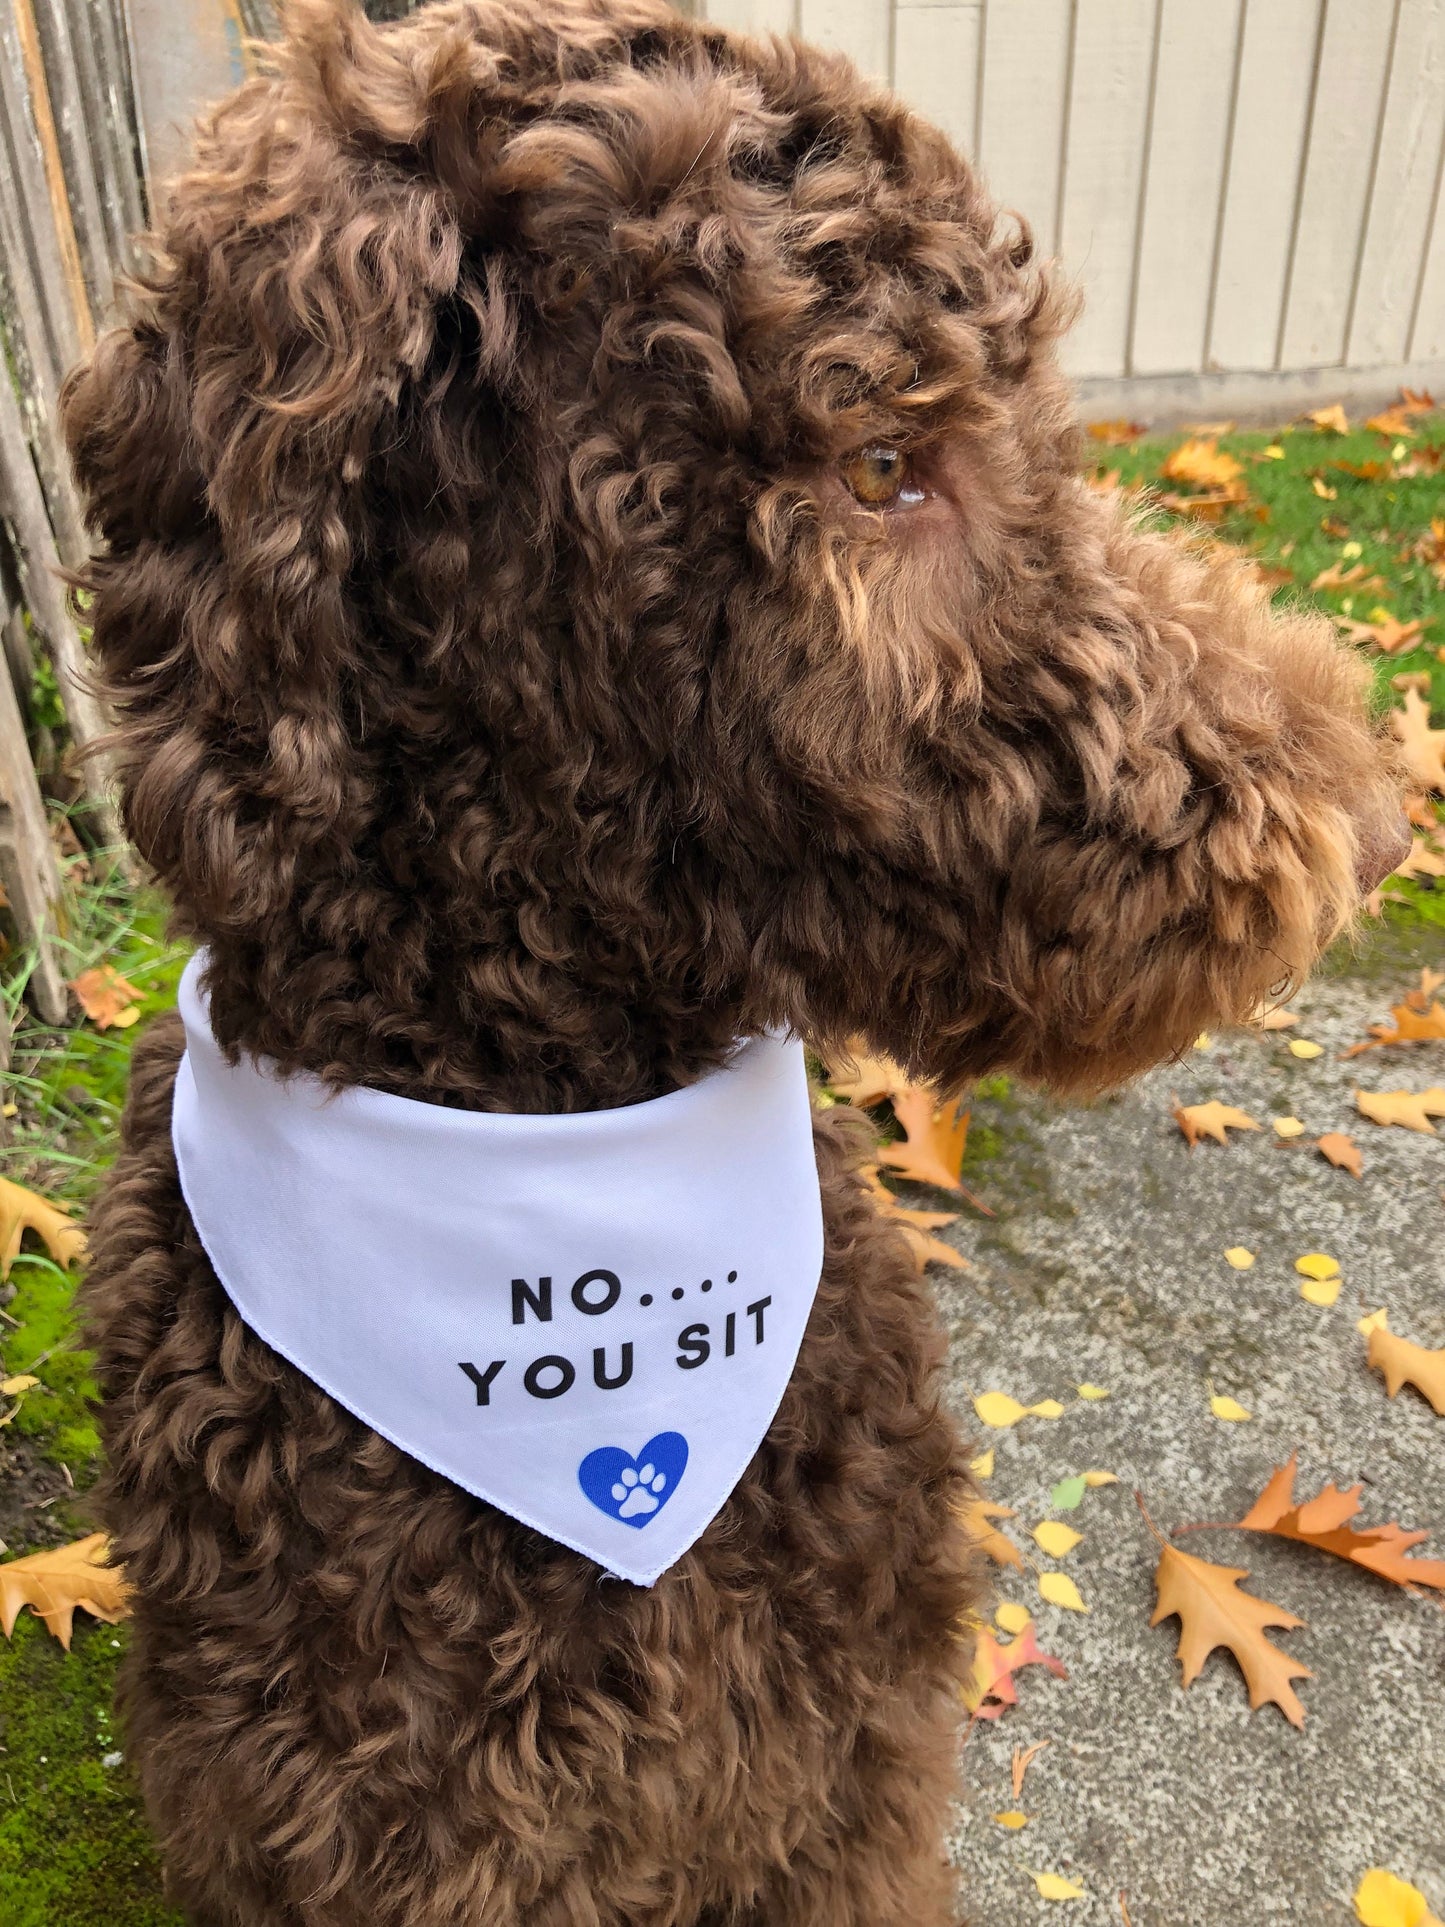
(634, 1490)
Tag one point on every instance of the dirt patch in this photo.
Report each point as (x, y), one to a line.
(37, 1503)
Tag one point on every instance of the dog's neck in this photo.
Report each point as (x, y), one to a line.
(450, 1048)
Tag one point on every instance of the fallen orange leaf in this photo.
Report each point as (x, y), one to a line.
(22, 1211)
(1405, 1364)
(52, 1584)
(106, 998)
(1323, 1522)
(992, 1687)
(1411, 1110)
(1342, 1152)
(1210, 1120)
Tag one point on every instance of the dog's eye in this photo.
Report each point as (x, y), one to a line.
(880, 477)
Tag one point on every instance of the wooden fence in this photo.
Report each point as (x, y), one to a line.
(71, 195)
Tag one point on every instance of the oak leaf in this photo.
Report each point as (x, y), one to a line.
(1332, 418)
(1405, 1364)
(978, 1516)
(1424, 747)
(22, 1211)
(992, 1687)
(1392, 422)
(1116, 434)
(1210, 1120)
(1212, 1612)
(934, 1140)
(106, 998)
(1413, 1024)
(865, 1080)
(917, 1226)
(1323, 1522)
(52, 1584)
(1411, 1110)
(1199, 463)
(1342, 1152)
(1023, 1757)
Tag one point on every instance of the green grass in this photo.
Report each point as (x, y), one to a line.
(73, 1846)
(1286, 525)
(68, 1086)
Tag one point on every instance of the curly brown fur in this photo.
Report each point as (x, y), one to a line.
(520, 706)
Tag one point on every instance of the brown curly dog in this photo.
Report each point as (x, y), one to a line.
(593, 564)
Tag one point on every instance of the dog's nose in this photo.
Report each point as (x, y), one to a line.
(1384, 845)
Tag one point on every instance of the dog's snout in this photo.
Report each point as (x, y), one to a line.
(1384, 844)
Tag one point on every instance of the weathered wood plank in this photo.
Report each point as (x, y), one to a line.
(24, 183)
(25, 333)
(1026, 58)
(79, 178)
(935, 64)
(23, 507)
(1114, 44)
(29, 872)
(1184, 179)
(1397, 225)
(111, 36)
(62, 227)
(1261, 192)
(1349, 94)
(860, 28)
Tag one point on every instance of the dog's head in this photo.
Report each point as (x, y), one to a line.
(595, 562)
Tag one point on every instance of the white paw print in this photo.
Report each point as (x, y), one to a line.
(635, 1490)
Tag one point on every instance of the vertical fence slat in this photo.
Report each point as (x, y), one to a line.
(753, 16)
(79, 182)
(1266, 159)
(28, 869)
(1400, 206)
(30, 344)
(1193, 87)
(23, 507)
(1021, 119)
(859, 28)
(935, 55)
(41, 123)
(1103, 163)
(1353, 58)
(111, 22)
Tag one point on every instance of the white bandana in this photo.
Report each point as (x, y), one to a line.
(587, 1320)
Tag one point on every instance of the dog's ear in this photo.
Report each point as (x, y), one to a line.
(223, 437)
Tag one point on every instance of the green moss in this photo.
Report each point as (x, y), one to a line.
(74, 1849)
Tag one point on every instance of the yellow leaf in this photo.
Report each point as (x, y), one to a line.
(1239, 1257)
(1228, 1409)
(1322, 489)
(998, 1410)
(1095, 1479)
(13, 1387)
(1047, 1408)
(1204, 1041)
(22, 1211)
(1288, 1127)
(1302, 1047)
(1321, 1291)
(1383, 1900)
(1092, 1392)
(1274, 452)
(982, 1466)
(1055, 1538)
(1053, 1886)
(1060, 1590)
(1317, 1264)
(1372, 1322)
(1013, 1618)
(54, 1583)
(1013, 1820)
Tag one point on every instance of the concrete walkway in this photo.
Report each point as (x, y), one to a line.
(1106, 1265)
